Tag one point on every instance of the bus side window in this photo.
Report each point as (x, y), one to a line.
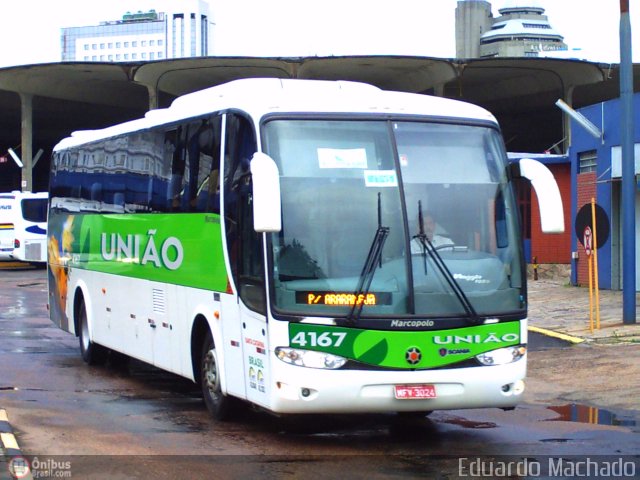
(243, 243)
(204, 167)
(174, 140)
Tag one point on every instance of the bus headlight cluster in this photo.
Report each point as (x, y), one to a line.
(502, 356)
(308, 358)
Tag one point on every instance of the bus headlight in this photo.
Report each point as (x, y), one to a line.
(502, 356)
(308, 358)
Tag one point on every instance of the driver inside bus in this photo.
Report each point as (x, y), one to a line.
(437, 241)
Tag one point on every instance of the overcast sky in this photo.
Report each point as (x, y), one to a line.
(30, 29)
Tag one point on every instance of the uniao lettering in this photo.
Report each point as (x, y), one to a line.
(474, 339)
(167, 253)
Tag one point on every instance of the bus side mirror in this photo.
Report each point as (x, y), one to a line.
(266, 194)
(548, 193)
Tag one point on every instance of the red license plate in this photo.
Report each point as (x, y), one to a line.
(413, 392)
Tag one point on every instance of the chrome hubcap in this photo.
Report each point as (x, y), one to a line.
(210, 371)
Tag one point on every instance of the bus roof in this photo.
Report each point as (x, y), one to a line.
(17, 194)
(262, 96)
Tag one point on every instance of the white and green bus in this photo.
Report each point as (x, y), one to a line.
(23, 226)
(279, 242)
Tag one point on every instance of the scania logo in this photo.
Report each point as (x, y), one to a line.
(413, 356)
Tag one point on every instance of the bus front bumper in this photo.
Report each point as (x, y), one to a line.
(303, 390)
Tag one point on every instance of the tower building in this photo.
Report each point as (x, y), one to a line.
(521, 30)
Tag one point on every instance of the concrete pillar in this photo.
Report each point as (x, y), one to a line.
(26, 150)
(153, 97)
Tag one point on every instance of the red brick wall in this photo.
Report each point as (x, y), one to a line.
(553, 248)
(586, 191)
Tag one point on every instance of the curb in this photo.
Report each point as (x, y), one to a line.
(561, 336)
(10, 265)
(18, 465)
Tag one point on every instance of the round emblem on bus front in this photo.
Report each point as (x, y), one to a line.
(413, 355)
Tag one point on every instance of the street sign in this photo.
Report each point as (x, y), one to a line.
(584, 218)
(587, 240)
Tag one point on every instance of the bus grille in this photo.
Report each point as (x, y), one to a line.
(159, 301)
(32, 252)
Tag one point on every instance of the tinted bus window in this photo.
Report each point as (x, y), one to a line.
(34, 210)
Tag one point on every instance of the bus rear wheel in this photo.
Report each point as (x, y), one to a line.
(92, 353)
(219, 405)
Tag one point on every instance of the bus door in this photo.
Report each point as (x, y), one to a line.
(246, 315)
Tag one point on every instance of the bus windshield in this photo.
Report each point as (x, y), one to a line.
(438, 191)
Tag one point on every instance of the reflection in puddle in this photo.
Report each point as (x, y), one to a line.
(593, 415)
(463, 422)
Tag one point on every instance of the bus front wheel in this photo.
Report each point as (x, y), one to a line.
(91, 352)
(219, 405)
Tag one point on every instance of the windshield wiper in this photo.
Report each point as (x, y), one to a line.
(427, 247)
(374, 258)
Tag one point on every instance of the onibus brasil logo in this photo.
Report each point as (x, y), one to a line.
(142, 249)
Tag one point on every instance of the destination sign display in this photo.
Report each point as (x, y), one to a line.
(343, 299)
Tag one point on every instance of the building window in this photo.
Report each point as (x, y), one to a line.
(134, 43)
(126, 44)
(86, 46)
(118, 44)
(587, 161)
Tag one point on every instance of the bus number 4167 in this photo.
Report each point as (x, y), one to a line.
(325, 339)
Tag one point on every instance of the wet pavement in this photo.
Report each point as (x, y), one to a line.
(556, 306)
(157, 427)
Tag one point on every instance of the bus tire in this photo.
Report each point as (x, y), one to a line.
(220, 406)
(92, 353)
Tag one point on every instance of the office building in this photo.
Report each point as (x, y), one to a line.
(142, 36)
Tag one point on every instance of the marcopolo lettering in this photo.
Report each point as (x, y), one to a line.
(474, 339)
(412, 323)
(128, 248)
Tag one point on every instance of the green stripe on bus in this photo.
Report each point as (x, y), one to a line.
(181, 249)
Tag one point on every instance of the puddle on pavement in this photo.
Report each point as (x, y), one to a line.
(464, 422)
(593, 415)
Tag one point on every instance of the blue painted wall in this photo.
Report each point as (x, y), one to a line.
(606, 116)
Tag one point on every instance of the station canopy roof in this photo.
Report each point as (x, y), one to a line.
(71, 96)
